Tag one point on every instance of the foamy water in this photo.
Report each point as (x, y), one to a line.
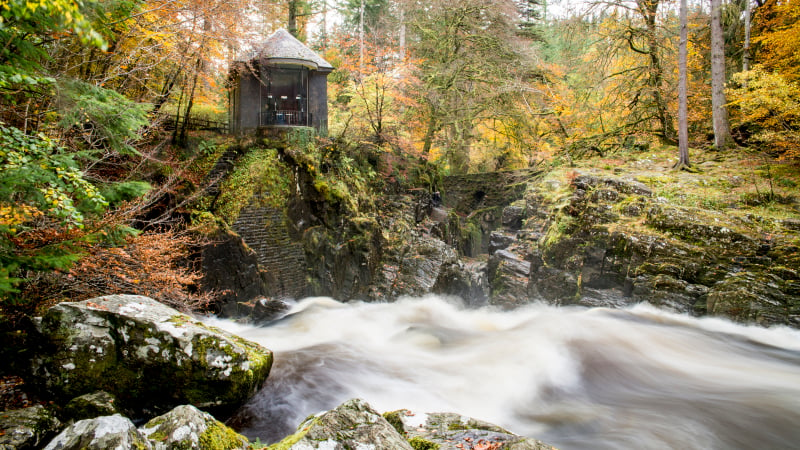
(575, 378)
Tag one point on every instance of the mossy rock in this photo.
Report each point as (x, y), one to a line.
(420, 443)
(100, 433)
(150, 356)
(449, 431)
(395, 419)
(711, 229)
(92, 405)
(750, 297)
(353, 424)
(27, 428)
(186, 427)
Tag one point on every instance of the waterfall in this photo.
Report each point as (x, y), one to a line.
(573, 377)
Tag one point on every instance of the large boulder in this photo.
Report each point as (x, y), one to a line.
(449, 431)
(466, 279)
(150, 356)
(27, 428)
(89, 406)
(100, 433)
(186, 427)
(508, 277)
(418, 266)
(353, 424)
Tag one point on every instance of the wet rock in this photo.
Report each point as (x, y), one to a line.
(508, 277)
(352, 425)
(558, 287)
(344, 261)
(467, 279)
(420, 266)
(186, 427)
(499, 241)
(231, 271)
(666, 291)
(27, 428)
(599, 268)
(512, 217)
(268, 309)
(89, 406)
(100, 433)
(448, 431)
(604, 298)
(752, 297)
(150, 356)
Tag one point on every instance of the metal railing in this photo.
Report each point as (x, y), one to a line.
(194, 123)
(283, 117)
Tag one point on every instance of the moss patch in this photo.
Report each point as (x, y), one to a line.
(287, 442)
(259, 175)
(219, 437)
(419, 443)
(394, 419)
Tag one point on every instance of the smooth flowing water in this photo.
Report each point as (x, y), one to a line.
(575, 378)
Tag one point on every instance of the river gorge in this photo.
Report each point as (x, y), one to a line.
(574, 377)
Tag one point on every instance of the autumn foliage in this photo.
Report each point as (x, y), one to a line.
(154, 264)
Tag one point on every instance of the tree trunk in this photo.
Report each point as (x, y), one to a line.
(166, 91)
(683, 123)
(197, 66)
(746, 49)
(189, 104)
(178, 115)
(324, 35)
(291, 25)
(649, 9)
(402, 33)
(428, 141)
(361, 39)
(722, 130)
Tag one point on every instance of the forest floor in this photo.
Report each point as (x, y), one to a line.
(736, 181)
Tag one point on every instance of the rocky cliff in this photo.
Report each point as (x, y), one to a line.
(587, 236)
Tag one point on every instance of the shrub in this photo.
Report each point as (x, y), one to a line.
(767, 110)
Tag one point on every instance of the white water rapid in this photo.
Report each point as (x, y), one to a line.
(575, 378)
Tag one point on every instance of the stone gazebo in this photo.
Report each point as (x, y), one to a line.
(280, 83)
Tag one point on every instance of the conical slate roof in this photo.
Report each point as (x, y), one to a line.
(282, 47)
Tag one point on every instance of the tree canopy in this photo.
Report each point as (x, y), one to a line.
(95, 97)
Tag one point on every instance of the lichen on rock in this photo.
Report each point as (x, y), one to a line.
(150, 356)
(186, 427)
(27, 428)
(101, 433)
(92, 405)
(450, 431)
(353, 424)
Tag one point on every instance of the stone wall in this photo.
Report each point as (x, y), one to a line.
(264, 230)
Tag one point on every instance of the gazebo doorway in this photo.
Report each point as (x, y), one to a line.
(284, 96)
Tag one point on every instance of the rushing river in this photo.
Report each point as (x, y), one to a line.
(575, 378)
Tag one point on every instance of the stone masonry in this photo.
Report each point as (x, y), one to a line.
(264, 230)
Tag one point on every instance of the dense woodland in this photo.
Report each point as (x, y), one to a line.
(90, 170)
